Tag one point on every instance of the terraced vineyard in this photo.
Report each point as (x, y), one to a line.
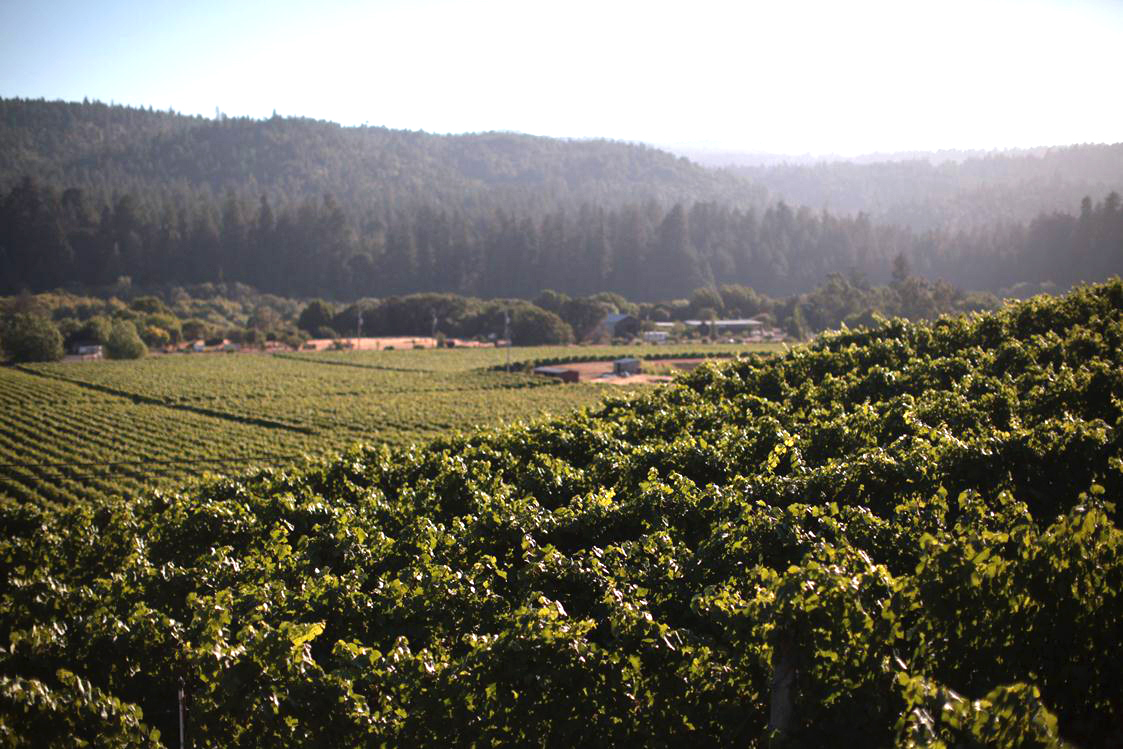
(78, 429)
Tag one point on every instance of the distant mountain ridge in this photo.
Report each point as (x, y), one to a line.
(105, 149)
(948, 189)
(102, 147)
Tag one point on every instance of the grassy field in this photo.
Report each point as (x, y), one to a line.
(73, 430)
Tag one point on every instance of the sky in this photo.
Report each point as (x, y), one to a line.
(791, 77)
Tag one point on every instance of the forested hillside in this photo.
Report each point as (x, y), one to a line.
(905, 536)
(938, 191)
(90, 193)
(105, 150)
(51, 238)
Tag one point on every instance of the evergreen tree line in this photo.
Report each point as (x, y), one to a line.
(52, 237)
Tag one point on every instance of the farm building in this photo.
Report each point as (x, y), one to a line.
(626, 367)
(561, 373)
(744, 325)
(89, 351)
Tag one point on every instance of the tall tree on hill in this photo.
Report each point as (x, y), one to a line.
(400, 265)
(595, 258)
(460, 258)
(674, 268)
(204, 249)
(262, 238)
(32, 239)
(130, 236)
(631, 237)
(235, 239)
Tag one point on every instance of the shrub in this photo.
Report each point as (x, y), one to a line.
(155, 337)
(124, 343)
(317, 314)
(29, 338)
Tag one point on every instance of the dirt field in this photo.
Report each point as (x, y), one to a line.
(601, 371)
(381, 344)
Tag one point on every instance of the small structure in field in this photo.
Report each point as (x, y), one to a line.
(717, 327)
(90, 351)
(655, 336)
(626, 367)
(561, 373)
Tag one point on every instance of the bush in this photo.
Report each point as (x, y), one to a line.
(94, 330)
(150, 305)
(124, 343)
(317, 314)
(195, 328)
(29, 338)
(155, 337)
(532, 326)
(170, 324)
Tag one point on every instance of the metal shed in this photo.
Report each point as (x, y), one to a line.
(627, 366)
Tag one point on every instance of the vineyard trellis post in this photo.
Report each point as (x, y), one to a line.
(782, 705)
(181, 700)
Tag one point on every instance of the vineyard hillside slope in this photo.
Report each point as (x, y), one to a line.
(904, 536)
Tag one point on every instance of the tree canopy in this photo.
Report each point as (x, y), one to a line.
(28, 337)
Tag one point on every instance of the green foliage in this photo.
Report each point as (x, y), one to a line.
(533, 326)
(317, 314)
(30, 338)
(71, 712)
(194, 329)
(183, 200)
(154, 337)
(124, 342)
(96, 330)
(898, 536)
(151, 305)
(706, 302)
(1011, 715)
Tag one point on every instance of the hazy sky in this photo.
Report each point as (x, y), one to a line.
(780, 76)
